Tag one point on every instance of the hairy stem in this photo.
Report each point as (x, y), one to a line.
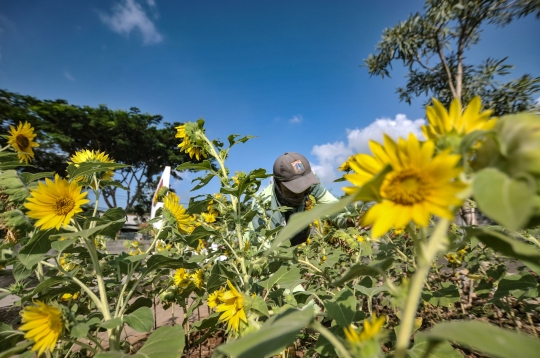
(343, 352)
(436, 243)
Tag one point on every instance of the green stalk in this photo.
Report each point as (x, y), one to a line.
(331, 338)
(437, 243)
(113, 342)
(236, 208)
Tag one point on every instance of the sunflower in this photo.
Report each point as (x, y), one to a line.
(89, 156)
(419, 184)
(232, 307)
(22, 139)
(66, 263)
(43, 324)
(181, 278)
(456, 121)
(370, 330)
(55, 203)
(345, 167)
(187, 146)
(184, 222)
(210, 217)
(69, 296)
(213, 298)
(197, 278)
(200, 246)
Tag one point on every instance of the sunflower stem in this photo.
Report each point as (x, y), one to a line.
(81, 344)
(436, 244)
(236, 208)
(331, 338)
(105, 309)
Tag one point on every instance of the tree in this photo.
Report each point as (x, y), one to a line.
(433, 45)
(129, 137)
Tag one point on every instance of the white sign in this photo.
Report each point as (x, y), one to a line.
(163, 182)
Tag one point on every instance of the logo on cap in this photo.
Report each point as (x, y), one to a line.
(298, 167)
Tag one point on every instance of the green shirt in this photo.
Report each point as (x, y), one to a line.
(269, 207)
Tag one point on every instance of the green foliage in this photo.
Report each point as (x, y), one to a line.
(484, 337)
(165, 342)
(421, 43)
(139, 140)
(276, 334)
(506, 200)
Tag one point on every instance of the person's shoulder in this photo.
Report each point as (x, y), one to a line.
(267, 192)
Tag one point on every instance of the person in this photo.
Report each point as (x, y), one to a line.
(294, 182)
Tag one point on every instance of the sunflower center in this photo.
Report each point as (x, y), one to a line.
(405, 187)
(23, 142)
(64, 205)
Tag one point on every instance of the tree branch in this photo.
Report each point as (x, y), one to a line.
(445, 65)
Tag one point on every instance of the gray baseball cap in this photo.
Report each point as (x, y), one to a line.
(293, 170)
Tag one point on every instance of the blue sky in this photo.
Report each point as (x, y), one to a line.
(287, 72)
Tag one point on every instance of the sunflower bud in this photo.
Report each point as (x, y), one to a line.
(519, 136)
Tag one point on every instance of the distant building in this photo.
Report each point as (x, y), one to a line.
(131, 228)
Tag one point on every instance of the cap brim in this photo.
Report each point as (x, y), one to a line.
(299, 185)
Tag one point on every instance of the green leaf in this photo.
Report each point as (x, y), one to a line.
(36, 249)
(142, 320)
(28, 178)
(342, 307)
(8, 337)
(357, 270)
(50, 282)
(205, 165)
(300, 221)
(505, 200)
(114, 219)
(159, 261)
(197, 206)
(526, 253)
(422, 346)
(200, 232)
(89, 168)
(139, 302)
(164, 342)
(19, 348)
(80, 330)
(112, 323)
(202, 181)
(447, 295)
(114, 183)
(218, 277)
(516, 286)
(371, 291)
(259, 305)
(324, 347)
(209, 322)
(82, 233)
(11, 165)
(283, 277)
(275, 334)
(486, 338)
(62, 245)
(20, 272)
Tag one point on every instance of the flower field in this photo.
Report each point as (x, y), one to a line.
(408, 279)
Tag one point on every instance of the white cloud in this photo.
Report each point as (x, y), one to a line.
(129, 15)
(296, 119)
(69, 76)
(328, 155)
(399, 127)
(332, 155)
